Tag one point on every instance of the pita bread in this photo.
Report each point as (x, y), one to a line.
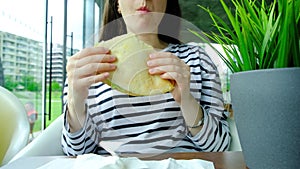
(131, 76)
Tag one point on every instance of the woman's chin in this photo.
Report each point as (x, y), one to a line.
(143, 23)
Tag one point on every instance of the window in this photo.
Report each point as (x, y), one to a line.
(22, 49)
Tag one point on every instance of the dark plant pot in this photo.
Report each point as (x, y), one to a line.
(266, 105)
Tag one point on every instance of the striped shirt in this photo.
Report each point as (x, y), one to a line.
(153, 124)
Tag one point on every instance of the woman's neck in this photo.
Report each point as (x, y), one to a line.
(153, 40)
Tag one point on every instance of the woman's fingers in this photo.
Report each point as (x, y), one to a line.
(102, 58)
(165, 68)
(88, 74)
(168, 66)
(93, 69)
(89, 62)
(78, 61)
(91, 65)
(179, 77)
(166, 58)
(84, 83)
(91, 51)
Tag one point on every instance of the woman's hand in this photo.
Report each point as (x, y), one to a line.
(169, 66)
(89, 66)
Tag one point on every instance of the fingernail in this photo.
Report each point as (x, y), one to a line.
(112, 66)
(151, 55)
(112, 57)
(151, 71)
(149, 63)
(105, 74)
(107, 50)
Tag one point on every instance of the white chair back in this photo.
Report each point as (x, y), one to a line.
(14, 126)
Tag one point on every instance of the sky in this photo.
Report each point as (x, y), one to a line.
(27, 18)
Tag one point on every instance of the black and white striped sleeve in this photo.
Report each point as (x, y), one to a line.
(81, 141)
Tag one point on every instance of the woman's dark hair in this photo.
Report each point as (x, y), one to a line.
(113, 24)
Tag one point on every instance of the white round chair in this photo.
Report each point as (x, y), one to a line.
(14, 126)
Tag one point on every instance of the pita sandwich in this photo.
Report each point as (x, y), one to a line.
(131, 76)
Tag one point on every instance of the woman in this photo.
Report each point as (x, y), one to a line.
(189, 118)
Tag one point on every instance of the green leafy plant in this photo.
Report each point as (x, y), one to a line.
(258, 36)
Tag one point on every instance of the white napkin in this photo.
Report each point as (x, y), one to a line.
(59, 163)
(93, 161)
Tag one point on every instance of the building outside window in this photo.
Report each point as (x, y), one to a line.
(24, 61)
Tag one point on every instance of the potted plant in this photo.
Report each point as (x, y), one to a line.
(261, 48)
